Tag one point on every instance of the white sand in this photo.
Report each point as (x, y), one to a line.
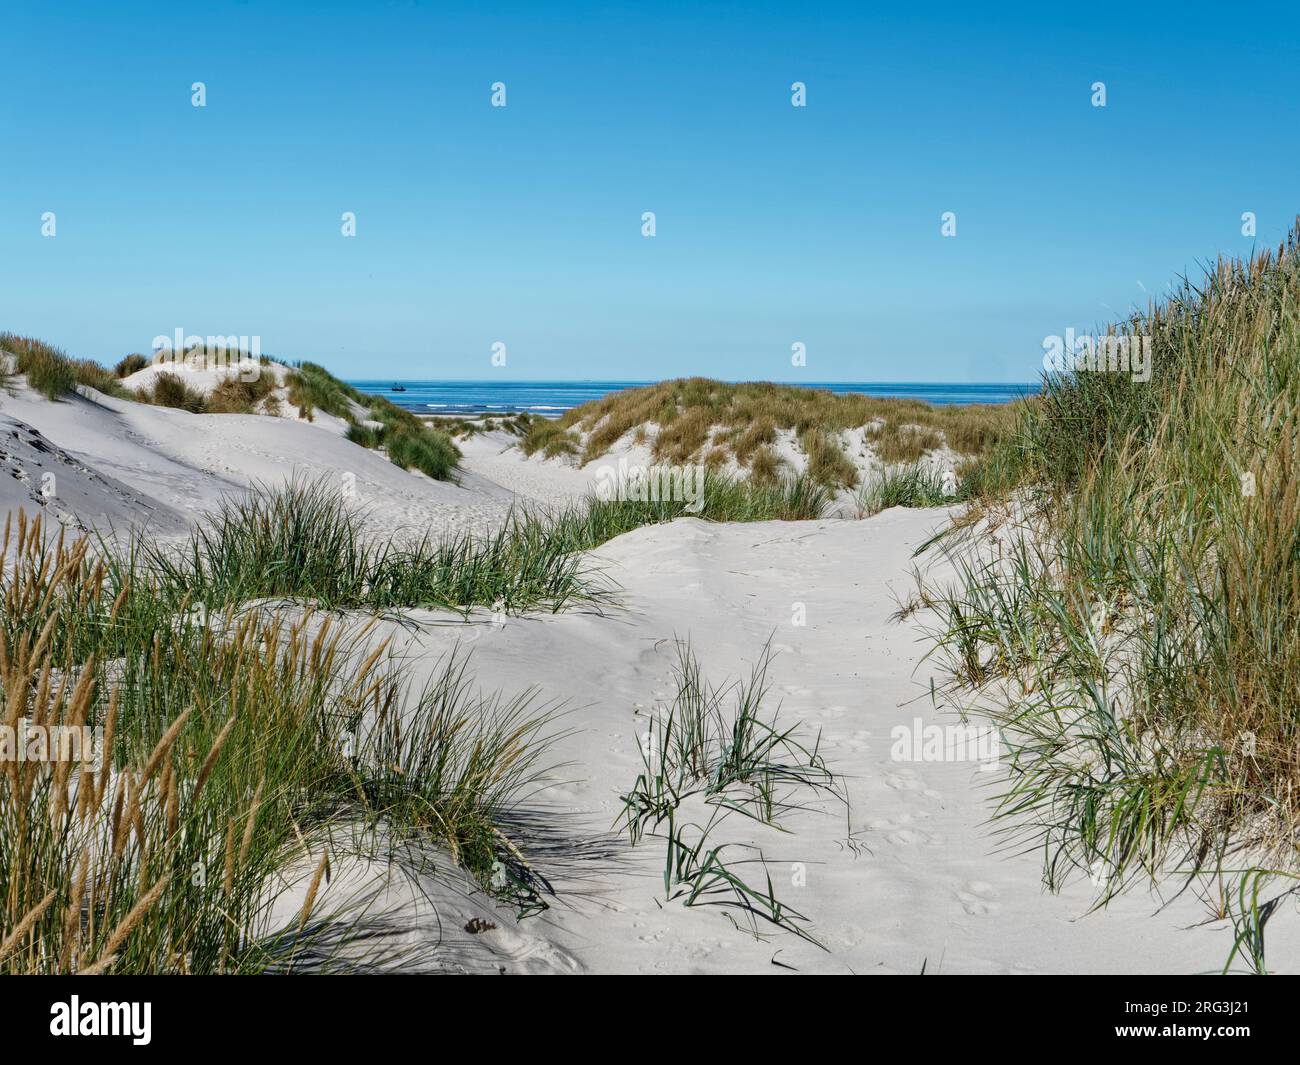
(914, 878)
(923, 884)
(175, 466)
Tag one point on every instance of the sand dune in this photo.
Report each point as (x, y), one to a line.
(909, 879)
(180, 465)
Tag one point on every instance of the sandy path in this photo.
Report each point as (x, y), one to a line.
(921, 885)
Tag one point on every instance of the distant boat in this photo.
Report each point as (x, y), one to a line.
(397, 388)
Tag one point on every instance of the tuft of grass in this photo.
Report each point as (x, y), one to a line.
(169, 390)
(596, 520)
(701, 753)
(233, 395)
(453, 767)
(93, 375)
(368, 436)
(904, 486)
(130, 364)
(904, 443)
(303, 542)
(748, 440)
(429, 451)
(550, 438)
(409, 442)
(312, 387)
(827, 463)
(764, 466)
(48, 369)
(51, 372)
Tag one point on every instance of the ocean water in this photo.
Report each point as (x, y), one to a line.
(550, 399)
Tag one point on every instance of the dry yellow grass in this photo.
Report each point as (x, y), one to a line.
(695, 417)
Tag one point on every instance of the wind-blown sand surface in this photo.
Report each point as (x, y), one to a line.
(923, 885)
(126, 461)
(912, 879)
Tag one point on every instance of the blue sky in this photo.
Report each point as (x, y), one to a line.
(522, 225)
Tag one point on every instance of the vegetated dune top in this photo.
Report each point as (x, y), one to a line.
(764, 429)
(202, 377)
(206, 380)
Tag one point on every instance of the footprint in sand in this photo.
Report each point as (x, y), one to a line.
(976, 898)
(524, 953)
(907, 837)
(910, 782)
(890, 824)
(858, 743)
(703, 949)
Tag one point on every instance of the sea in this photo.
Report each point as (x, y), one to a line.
(550, 399)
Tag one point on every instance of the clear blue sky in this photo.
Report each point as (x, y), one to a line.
(523, 224)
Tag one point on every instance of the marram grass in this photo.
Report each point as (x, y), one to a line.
(231, 741)
(1128, 616)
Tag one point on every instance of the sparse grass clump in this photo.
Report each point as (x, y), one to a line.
(764, 465)
(456, 428)
(93, 375)
(720, 498)
(312, 387)
(904, 443)
(52, 373)
(170, 390)
(705, 760)
(132, 363)
(409, 442)
(234, 394)
(366, 434)
(48, 369)
(749, 439)
(683, 437)
(905, 486)
(827, 463)
(550, 438)
(427, 450)
(304, 542)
